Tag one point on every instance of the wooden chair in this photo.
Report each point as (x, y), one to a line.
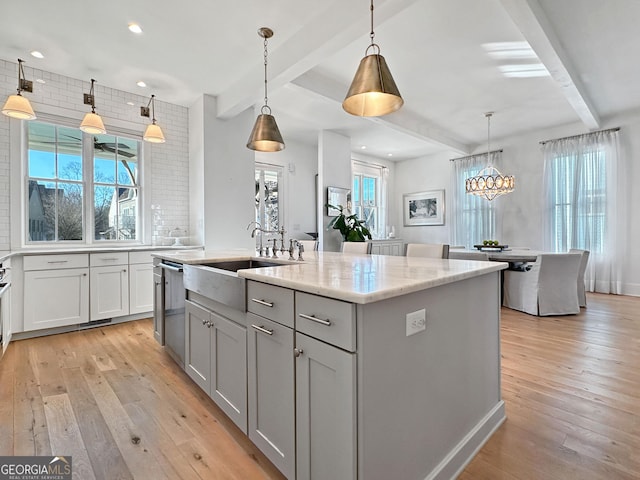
(428, 250)
(582, 296)
(548, 288)
(356, 247)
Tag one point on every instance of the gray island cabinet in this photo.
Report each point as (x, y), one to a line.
(363, 367)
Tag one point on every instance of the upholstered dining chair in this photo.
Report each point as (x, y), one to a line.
(482, 256)
(309, 245)
(356, 247)
(429, 250)
(548, 288)
(582, 296)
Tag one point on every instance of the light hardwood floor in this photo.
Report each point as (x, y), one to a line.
(112, 399)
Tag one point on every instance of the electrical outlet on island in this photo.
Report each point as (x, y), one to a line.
(416, 322)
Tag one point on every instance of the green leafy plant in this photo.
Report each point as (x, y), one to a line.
(351, 228)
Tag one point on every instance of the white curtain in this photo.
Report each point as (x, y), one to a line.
(474, 218)
(584, 204)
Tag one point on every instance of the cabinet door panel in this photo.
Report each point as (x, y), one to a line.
(271, 391)
(55, 298)
(197, 356)
(325, 411)
(229, 369)
(109, 292)
(141, 288)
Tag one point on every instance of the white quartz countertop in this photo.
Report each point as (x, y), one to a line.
(349, 277)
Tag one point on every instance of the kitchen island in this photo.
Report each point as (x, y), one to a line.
(367, 366)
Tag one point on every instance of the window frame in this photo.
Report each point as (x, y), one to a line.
(279, 169)
(19, 147)
(360, 169)
(564, 200)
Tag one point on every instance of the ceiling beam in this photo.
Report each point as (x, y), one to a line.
(402, 120)
(533, 23)
(340, 24)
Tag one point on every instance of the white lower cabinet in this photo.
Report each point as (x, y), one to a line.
(109, 295)
(216, 359)
(387, 247)
(141, 288)
(55, 298)
(271, 391)
(56, 290)
(325, 411)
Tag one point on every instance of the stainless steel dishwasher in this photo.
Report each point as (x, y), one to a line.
(174, 297)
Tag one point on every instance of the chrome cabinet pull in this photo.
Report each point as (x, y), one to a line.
(204, 322)
(262, 329)
(58, 261)
(110, 259)
(262, 302)
(315, 319)
(297, 352)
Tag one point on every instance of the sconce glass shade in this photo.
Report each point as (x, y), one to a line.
(153, 134)
(92, 123)
(19, 107)
(265, 136)
(373, 91)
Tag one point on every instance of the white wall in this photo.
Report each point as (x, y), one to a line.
(300, 165)
(226, 186)
(168, 169)
(334, 170)
(522, 214)
(419, 175)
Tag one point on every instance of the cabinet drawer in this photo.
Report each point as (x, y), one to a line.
(109, 258)
(54, 262)
(140, 257)
(269, 301)
(326, 319)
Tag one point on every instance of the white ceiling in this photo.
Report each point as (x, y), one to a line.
(436, 50)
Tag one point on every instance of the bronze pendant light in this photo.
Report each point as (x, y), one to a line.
(265, 136)
(373, 91)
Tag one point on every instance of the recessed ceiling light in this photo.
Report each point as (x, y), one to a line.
(389, 154)
(39, 80)
(37, 54)
(135, 28)
(130, 103)
(141, 84)
(363, 147)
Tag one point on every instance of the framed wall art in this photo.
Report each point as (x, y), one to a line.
(423, 208)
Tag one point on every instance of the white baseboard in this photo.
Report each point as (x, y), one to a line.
(454, 463)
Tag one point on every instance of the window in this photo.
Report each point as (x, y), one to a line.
(474, 218)
(63, 167)
(584, 204)
(578, 201)
(366, 196)
(268, 196)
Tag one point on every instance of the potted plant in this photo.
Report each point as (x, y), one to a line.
(351, 228)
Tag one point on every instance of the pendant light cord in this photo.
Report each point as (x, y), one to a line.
(488, 115)
(266, 100)
(372, 34)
